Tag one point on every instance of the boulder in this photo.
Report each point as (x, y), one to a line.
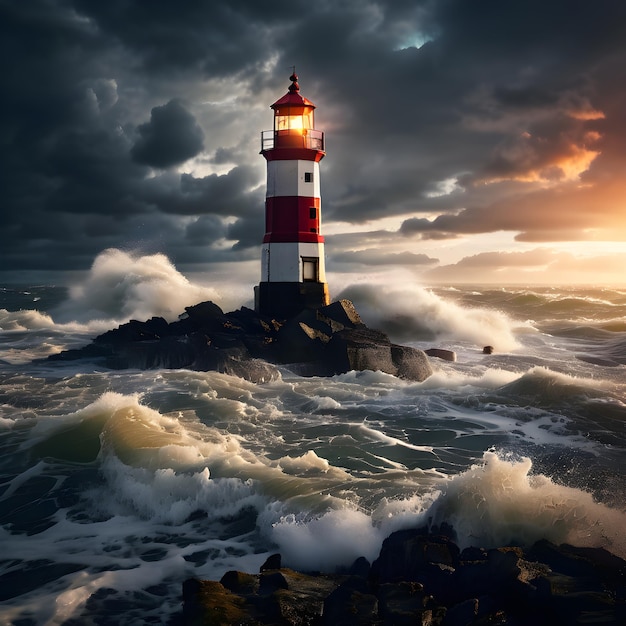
(412, 555)
(340, 314)
(351, 604)
(154, 329)
(360, 349)
(302, 338)
(446, 355)
(315, 342)
(410, 363)
(422, 578)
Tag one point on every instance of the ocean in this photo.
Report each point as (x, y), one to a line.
(116, 486)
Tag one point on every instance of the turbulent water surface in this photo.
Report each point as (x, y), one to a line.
(116, 486)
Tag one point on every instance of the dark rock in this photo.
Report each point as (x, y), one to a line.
(154, 329)
(431, 583)
(361, 349)
(272, 562)
(209, 602)
(411, 363)
(360, 567)
(203, 311)
(462, 614)
(404, 603)
(446, 355)
(409, 555)
(272, 581)
(303, 338)
(472, 553)
(340, 314)
(170, 352)
(579, 561)
(239, 582)
(498, 574)
(488, 350)
(316, 342)
(351, 604)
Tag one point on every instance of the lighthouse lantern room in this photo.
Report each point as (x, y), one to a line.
(293, 273)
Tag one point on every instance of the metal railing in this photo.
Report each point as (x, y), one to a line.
(310, 139)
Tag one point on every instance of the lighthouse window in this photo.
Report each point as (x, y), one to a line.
(308, 177)
(312, 213)
(309, 269)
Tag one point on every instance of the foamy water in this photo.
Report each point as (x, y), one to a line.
(119, 485)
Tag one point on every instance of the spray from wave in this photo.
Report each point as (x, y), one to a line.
(499, 502)
(417, 314)
(122, 286)
(494, 503)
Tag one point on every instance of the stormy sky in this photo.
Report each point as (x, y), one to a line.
(467, 140)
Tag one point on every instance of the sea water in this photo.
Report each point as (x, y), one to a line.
(116, 486)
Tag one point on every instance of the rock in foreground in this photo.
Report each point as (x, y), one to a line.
(425, 579)
(322, 342)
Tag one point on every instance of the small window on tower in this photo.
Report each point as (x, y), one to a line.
(309, 269)
(308, 177)
(312, 213)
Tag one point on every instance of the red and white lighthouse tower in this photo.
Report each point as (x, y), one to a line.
(293, 273)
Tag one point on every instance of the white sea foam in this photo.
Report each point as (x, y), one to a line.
(496, 502)
(24, 320)
(324, 543)
(414, 314)
(122, 286)
(490, 378)
(499, 502)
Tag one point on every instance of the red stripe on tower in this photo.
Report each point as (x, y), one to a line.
(293, 272)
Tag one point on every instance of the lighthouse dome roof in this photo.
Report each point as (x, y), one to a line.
(293, 97)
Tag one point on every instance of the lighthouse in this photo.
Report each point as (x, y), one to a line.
(293, 272)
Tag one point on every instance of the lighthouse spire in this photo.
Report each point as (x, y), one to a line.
(293, 272)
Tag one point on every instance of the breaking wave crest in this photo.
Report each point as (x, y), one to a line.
(494, 503)
(122, 286)
(417, 314)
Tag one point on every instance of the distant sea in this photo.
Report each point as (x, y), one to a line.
(116, 486)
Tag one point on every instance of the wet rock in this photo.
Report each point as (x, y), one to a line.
(361, 349)
(411, 363)
(360, 567)
(440, 353)
(315, 342)
(351, 604)
(488, 350)
(409, 555)
(423, 578)
(272, 581)
(272, 562)
(239, 582)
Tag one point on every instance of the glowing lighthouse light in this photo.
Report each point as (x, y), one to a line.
(293, 273)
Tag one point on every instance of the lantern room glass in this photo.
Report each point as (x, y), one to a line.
(293, 118)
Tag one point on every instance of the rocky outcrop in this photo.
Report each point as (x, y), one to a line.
(317, 342)
(422, 577)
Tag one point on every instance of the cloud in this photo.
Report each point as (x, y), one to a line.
(171, 137)
(136, 125)
(538, 266)
(380, 257)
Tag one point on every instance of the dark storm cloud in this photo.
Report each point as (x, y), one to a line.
(171, 137)
(458, 117)
(376, 257)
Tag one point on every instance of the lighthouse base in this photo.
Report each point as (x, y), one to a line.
(284, 300)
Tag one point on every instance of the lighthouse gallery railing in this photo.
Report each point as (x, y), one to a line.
(310, 138)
